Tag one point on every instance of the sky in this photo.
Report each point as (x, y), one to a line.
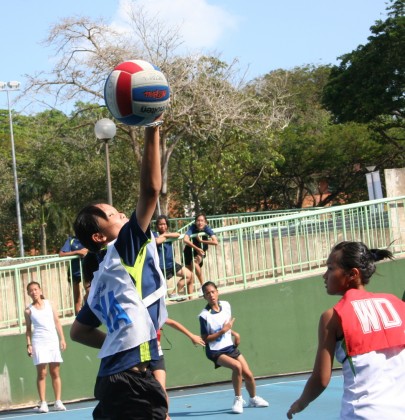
(263, 35)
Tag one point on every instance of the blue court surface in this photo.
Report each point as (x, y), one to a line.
(214, 402)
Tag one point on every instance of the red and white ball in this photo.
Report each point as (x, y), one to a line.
(136, 92)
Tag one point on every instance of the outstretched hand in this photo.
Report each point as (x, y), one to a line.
(196, 339)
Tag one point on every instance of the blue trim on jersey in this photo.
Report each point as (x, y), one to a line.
(204, 331)
(130, 240)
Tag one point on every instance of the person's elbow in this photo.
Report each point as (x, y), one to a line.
(152, 191)
(324, 381)
(78, 332)
(320, 380)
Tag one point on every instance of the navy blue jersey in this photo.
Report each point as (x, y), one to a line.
(192, 230)
(73, 244)
(166, 253)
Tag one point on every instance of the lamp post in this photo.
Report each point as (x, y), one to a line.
(7, 87)
(105, 130)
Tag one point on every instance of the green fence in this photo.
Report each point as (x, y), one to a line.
(278, 324)
(269, 248)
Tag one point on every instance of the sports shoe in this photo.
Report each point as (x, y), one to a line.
(43, 408)
(176, 297)
(200, 292)
(238, 405)
(58, 406)
(258, 402)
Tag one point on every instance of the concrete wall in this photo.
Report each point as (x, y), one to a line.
(277, 323)
(395, 186)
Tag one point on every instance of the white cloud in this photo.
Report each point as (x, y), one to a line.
(201, 24)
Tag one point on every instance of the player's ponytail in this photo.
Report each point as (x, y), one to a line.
(358, 255)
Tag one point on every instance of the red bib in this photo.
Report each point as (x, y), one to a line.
(371, 321)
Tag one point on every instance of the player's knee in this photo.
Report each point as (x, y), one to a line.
(237, 368)
(248, 376)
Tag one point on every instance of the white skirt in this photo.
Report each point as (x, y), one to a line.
(46, 353)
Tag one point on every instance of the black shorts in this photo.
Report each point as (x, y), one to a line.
(189, 255)
(158, 365)
(170, 272)
(231, 352)
(129, 395)
(76, 279)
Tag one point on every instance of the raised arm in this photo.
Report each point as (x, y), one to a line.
(151, 179)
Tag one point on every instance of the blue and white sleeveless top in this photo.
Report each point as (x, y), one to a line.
(214, 321)
(127, 296)
(118, 302)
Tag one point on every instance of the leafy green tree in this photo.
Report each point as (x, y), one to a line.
(316, 153)
(369, 84)
(334, 155)
(207, 94)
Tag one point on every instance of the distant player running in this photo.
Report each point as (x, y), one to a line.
(216, 322)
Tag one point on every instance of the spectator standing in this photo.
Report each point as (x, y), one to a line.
(72, 247)
(197, 246)
(42, 330)
(167, 263)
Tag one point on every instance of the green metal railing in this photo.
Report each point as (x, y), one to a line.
(262, 249)
(181, 224)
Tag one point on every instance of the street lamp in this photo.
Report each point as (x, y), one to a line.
(7, 87)
(105, 130)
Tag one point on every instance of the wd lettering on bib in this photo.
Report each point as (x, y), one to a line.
(376, 314)
(371, 321)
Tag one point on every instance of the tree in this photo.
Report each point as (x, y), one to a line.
(314, 157)
(315, 153)
(369, 84)
(207, 96)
